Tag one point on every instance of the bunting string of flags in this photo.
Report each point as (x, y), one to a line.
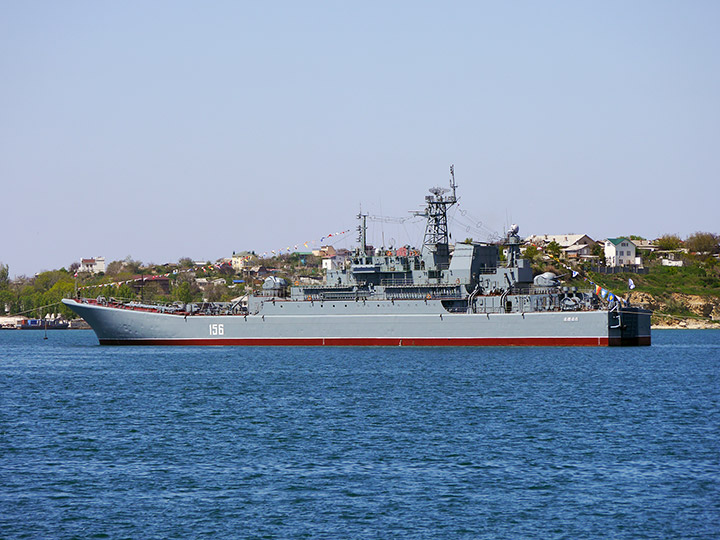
(208, 267)
(133, 280)
(151, 277)
(308, 244)
(599, 290)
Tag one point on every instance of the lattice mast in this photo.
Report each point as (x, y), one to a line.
(437, 239)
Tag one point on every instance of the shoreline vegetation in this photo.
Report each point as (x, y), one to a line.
(685, 296)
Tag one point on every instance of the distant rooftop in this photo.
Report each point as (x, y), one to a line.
(617, 241)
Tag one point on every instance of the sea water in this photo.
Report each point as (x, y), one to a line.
(447, 443)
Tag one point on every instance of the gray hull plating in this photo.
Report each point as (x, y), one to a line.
(358, 325)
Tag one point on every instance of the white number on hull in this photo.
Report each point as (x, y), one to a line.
(217, 330)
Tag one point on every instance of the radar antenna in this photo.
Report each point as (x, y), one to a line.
(453, 185)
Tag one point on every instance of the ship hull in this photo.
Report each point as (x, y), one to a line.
(353, 325)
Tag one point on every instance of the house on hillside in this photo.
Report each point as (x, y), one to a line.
(203, 283)
(336, 260)
(242, 260)
(92, 266)
(259, 271)
(160, 283)
(646, 245)
(329, 262)
(672, 257)
(620, 252)
(324, 251)
(573, 246)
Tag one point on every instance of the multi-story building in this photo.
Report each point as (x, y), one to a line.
(573, 246)
(93, 266)
(620, 252)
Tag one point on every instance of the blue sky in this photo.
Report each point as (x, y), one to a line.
(162, 130)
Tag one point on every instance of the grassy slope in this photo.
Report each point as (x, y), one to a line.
(663, 281)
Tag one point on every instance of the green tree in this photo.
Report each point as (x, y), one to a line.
(554, 249)
(216, 293)
(185, 262)
(183, 293)
(7, 300)
(4, 276)
(703, 242)
(125, 292)
(131, 265)
(152, 292)
(531, 253)
(669, 242)
(61, 289)
(599, 251)
(114, 268)
(45, 280)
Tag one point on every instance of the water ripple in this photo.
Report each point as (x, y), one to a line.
(101, 442)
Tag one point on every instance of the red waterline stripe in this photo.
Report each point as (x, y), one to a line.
(374, 342)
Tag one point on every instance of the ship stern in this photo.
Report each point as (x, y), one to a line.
(629, 327)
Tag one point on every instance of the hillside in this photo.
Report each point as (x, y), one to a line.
(687, 296)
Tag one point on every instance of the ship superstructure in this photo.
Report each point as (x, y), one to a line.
(438, 295)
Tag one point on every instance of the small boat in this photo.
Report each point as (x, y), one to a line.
(43, 324)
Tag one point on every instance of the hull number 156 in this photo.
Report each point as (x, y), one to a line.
(217, 330)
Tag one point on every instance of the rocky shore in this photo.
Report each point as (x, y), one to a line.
(685, 324)
(703, 311)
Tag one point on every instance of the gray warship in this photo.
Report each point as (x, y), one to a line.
(435, 296)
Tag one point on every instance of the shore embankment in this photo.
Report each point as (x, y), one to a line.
(677, 310)
(686, 324)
